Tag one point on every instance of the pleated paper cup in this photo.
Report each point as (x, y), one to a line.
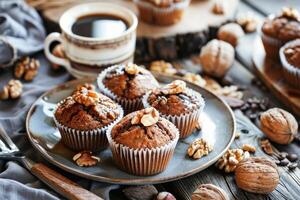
(129, 105)
(142, 162)
(186, 122)
(90, 140)
(161, 16)
(271, 46)
(291, 73)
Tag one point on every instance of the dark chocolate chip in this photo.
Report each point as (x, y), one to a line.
(292, 157)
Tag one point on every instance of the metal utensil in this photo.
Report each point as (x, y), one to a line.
(59, 183)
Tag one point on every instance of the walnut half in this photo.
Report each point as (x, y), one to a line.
(199, 148)
(85, 159)
(146, 117)
(12, 90)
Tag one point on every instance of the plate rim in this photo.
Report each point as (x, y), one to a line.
(133, 181)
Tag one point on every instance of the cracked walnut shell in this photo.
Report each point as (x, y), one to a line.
(146, 117)
(257, 175)
(216, 58)
(27, 68)
(12, 90)
(199, 148)
(85, 159)
(209, 191)
(231, 33)
(279, 125)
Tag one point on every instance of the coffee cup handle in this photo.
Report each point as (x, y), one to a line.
(52, 58)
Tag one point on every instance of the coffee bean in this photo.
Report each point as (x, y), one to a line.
(293, 166)
(282, 155)
(277, 162)
(284, 162)
(245, 131)
(245, 107)
(292, 157)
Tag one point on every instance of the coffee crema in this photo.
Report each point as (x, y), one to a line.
(99, 26)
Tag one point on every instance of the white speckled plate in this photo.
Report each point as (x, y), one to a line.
(218, 128)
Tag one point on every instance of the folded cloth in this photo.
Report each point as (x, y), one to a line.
(21, 31)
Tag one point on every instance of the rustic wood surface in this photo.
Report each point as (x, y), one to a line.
(270, 72)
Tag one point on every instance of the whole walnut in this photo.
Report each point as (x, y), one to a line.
(257, 175)
(216, 58)
(231, 33)
(209, 191)
(279, 125)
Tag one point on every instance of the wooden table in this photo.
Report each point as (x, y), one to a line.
(241, 74)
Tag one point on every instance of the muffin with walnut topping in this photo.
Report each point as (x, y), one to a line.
(177, 103)
(84, 117)
(162, 12)
(276, 31)
(127, 84)
(143, 143)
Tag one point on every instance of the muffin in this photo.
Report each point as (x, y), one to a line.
(162, 12)
(84, 117)
(126, 84)
(177, 103)
(278, 30)
(143, 143)
(290, 60)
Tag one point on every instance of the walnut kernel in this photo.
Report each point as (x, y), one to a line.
(291, 13)
(175, 87)
(266, 146)
(162, 67)
(85, 159)
(218, 7)
(132, 69)
(279, 125)
(249, 148)
(257, 175)
(27, 68)
(12, 90)
(195, 78)
(86, 97)
(248, 21)
(199, 148)
(230, 159)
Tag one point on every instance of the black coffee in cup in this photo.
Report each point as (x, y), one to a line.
(99, 26)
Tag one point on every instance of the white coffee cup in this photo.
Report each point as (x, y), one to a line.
(87, 56)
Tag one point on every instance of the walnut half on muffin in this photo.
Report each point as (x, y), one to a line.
(178, 104)
(143, 143)
(84, 117)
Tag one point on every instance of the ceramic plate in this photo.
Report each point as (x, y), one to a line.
(218, 128)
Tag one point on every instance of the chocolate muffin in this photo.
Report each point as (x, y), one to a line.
(276, 31)
(84, 117)
(178, 104)
(162, 12)
(127, 84)
(143, 136)
(290, 60)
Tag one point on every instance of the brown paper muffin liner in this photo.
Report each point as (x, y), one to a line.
(142, 162)
(272, 46)
(161, 16)
(186, 122)
(90, 140)
(291, 73)
(129, 105)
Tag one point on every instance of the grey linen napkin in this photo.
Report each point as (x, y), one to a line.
(21, 31)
